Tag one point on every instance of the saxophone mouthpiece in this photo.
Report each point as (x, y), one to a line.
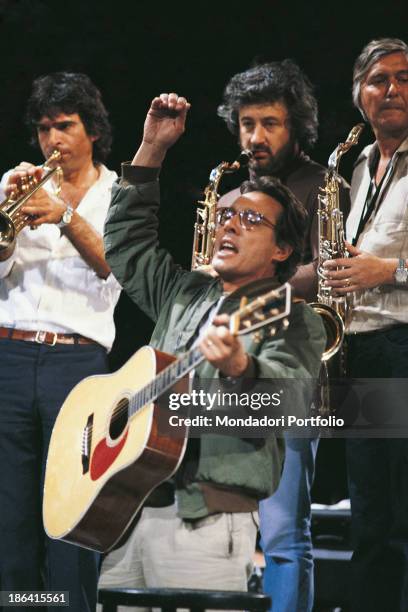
(245, 156)
(355, 133)
(242, 160)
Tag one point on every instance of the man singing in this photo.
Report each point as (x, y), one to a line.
(207, 539)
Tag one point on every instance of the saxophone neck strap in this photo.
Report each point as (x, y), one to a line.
(375, 193)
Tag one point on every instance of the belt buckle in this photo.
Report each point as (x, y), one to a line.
(40, 337)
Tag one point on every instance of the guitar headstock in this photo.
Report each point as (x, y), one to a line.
(269, 309)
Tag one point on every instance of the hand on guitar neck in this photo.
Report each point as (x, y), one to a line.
(223, 349)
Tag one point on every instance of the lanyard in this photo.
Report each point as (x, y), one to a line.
(373, 194)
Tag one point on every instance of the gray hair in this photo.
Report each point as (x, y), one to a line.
(369, 56)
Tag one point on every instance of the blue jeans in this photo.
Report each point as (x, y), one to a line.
(34, 381)
(285, 531)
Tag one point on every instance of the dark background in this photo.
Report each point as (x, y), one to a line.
(136, 50)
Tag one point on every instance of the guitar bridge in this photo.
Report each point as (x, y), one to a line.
(86, 444)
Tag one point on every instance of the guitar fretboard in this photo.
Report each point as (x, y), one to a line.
(165, 380)
(264, 310)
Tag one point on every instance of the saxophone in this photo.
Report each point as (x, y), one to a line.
(333, 309)
(205, 225)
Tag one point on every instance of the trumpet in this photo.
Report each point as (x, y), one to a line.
(12, 219)
(205, 225)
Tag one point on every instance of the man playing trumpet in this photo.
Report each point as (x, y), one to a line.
(56, 324)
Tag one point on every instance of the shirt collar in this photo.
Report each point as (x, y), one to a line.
(371, 153)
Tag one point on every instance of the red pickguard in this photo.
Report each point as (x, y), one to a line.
(104, 455)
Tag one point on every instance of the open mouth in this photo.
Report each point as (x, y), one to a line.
(227, 247)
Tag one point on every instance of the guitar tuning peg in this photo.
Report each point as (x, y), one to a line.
(260, 316)
(257, 337)
(272, 331)
(285, 323)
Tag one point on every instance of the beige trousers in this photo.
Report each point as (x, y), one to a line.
(164, 551)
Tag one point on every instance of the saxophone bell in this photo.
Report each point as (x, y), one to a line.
(333, 326)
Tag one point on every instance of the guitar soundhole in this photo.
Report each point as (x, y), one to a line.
(119, 419)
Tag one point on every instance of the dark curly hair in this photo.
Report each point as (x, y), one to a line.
(70, 92)
(291, 227)
(274, 82)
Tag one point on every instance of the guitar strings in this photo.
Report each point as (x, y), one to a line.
(192, 358)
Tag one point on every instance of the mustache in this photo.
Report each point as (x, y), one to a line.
(260, 148)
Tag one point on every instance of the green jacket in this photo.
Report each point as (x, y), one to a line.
(177, 300)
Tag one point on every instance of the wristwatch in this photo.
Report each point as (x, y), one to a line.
(401, 273)
(66, 217)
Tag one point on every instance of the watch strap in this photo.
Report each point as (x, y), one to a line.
(66, 217)
(401, 273)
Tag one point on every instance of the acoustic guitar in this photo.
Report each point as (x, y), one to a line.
(111, 444)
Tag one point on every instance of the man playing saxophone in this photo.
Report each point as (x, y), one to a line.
(56, 324)
(273, 112)
(376, 276)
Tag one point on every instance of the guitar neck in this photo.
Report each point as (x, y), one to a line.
(264, 310)
(165, 380)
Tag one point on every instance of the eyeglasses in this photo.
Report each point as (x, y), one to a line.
(247, 218)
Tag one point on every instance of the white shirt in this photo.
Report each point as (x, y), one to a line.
(47, 285)
(384, 235)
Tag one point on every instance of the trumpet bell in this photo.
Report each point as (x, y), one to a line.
(12, 219)
(7, 236)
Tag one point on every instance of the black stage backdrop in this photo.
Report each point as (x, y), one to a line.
(136, 50)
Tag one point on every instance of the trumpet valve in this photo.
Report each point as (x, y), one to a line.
(32, 182)
(23, 184)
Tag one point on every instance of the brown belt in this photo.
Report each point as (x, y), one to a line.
(43, 337)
